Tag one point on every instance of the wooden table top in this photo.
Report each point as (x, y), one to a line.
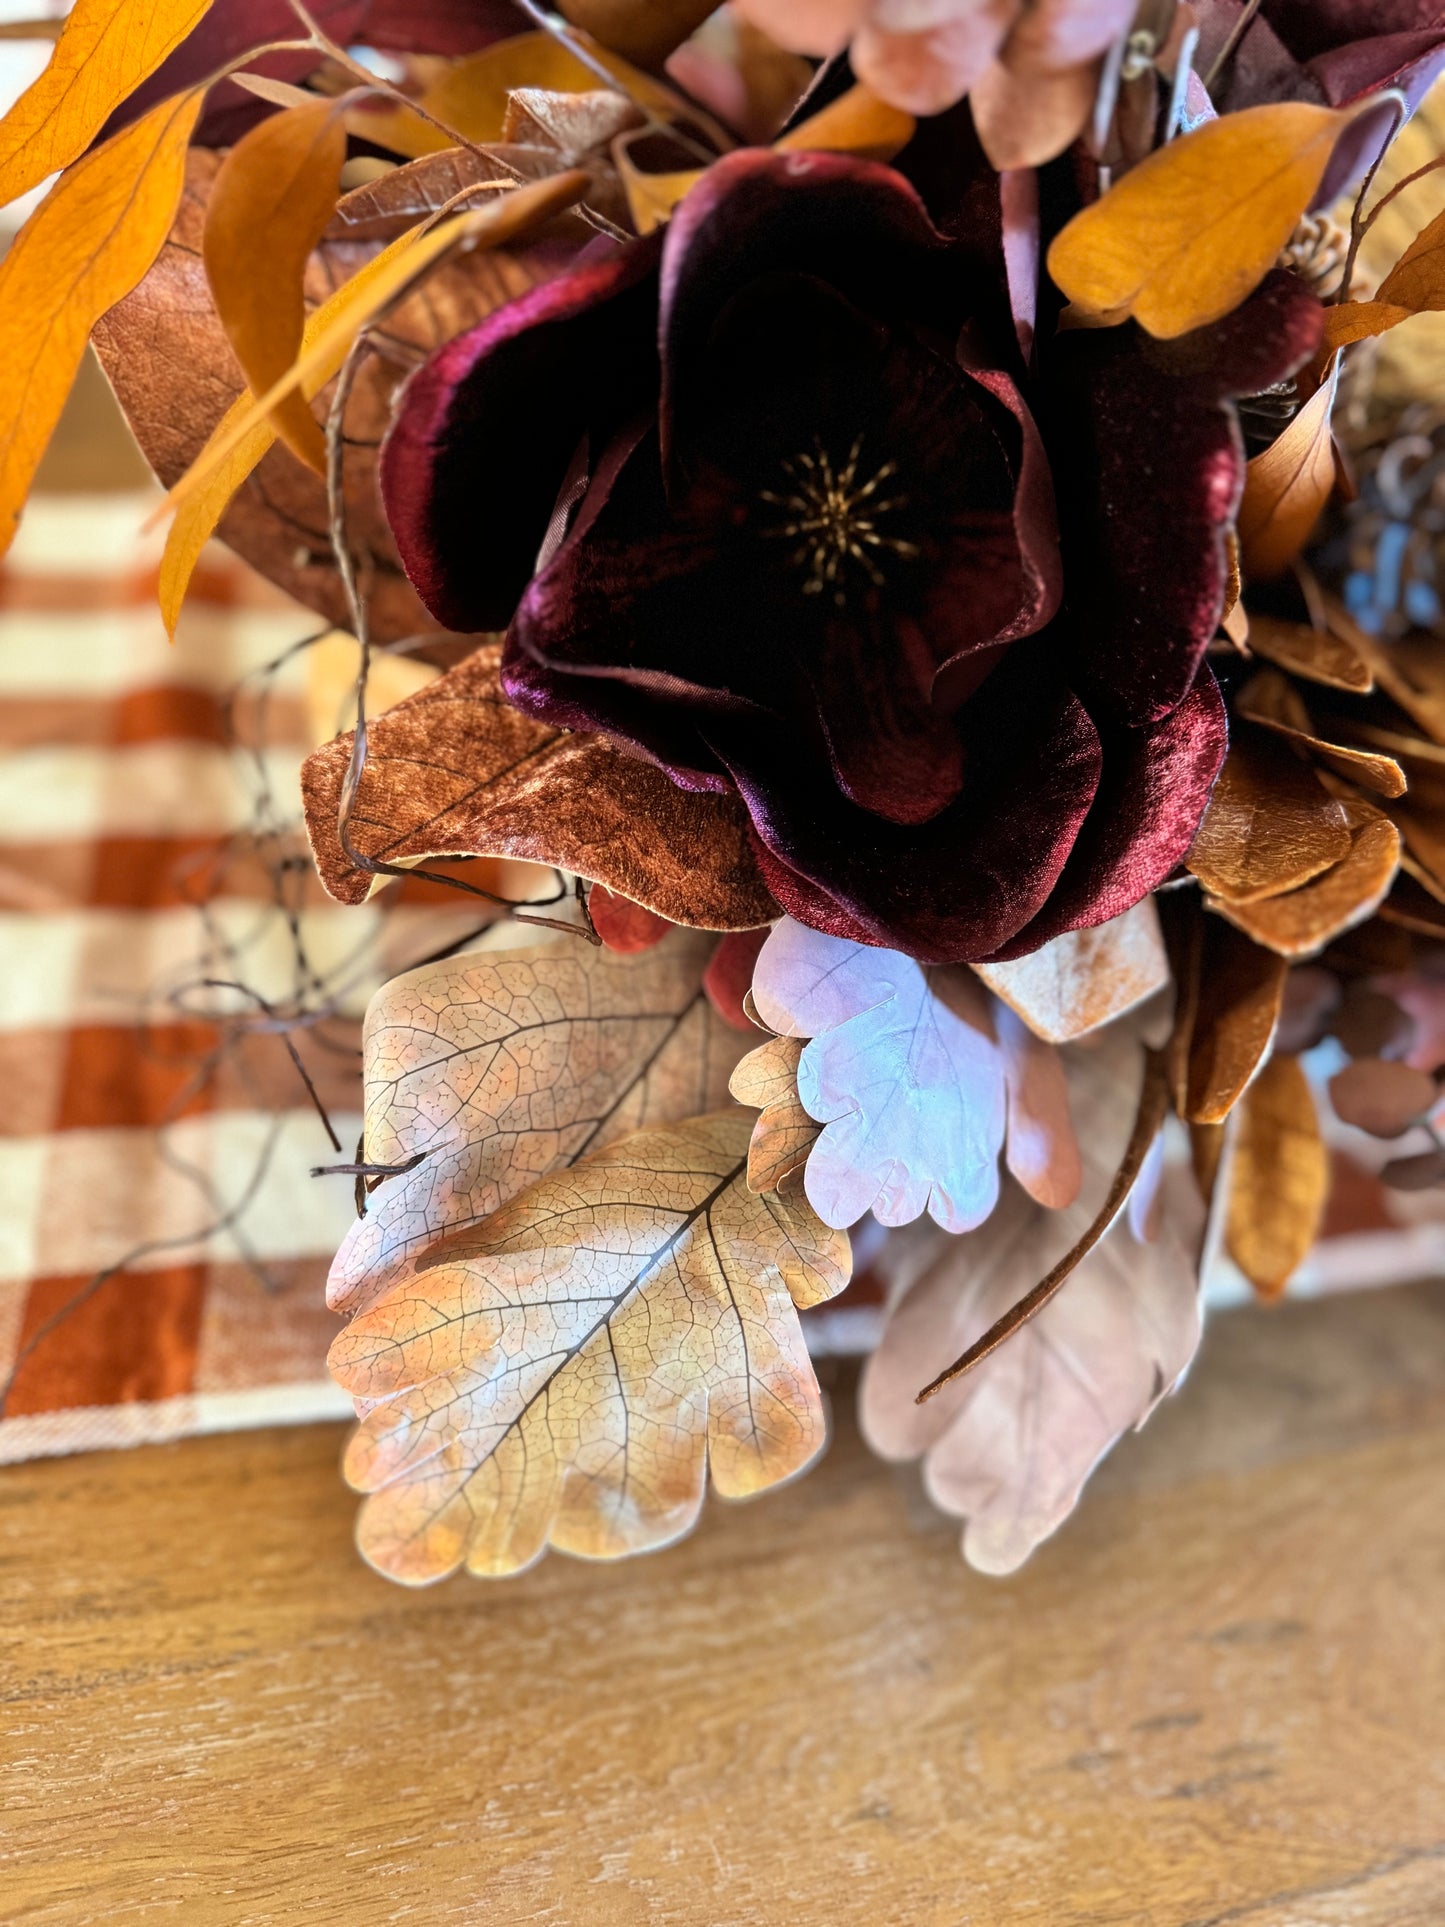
(1214, 1701)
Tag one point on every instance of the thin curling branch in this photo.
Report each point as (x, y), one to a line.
(1228, 50)
(1357, 221)
(1153, 1106)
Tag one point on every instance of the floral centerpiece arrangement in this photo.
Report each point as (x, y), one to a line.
(902, 506)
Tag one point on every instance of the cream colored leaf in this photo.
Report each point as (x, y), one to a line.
(1009, 1446)
(105, 50)
(85, 247)
(1086, 977)
(767, 1080)
(496, 1069)
(567, 1373)
(1043, 1150)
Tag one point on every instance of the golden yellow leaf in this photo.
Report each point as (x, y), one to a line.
(244, 433)
(566, 1373)
(84, 248)
(1301, 922)
(651, 198)
(1315, 654)
(1270, 826)
(1279, 1177)
(1287, 486)
(858, 122)
(106, 49)
(767, 1081)
(1085, 978)
(269, 207)
(471, 95)
(494, 1069)
(1186, 235)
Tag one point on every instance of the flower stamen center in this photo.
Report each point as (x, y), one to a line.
(833, 517)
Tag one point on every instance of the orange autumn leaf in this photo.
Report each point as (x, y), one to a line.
(270, 205)
(86, 246)
(1314, 654)
(1415, 285)
(1186, 235)
(107, 47)
(335, 326)
(1270, 826)
(1301, 922)
(1278, 1179)
(567, 1373)
(1287, 486)
(486, 1071)
(1240, 989)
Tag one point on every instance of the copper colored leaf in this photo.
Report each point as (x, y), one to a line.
(624, 926)
(567, 1373)
(1241, 987)
(1415, 285)
(1185, 235)
(87, 244)
(494, 1069)
(270, 205)
(1270, 826)
(106, 48)
(1301, 922)
(456, 771)
(1287, 486)
(857, 122)
(1422, 1172)
(1009, 1447)
(1273, 702)
(1314, 654)
(1409, 670)
(1377, 1095)
(1278, 1177)
(1206, 1154)
(767, 1080)
(1086, 977)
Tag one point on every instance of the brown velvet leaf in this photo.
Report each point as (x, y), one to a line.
(1270, 826)
(767, 1079)
(1272, 701)
(456, 771)
(1301, 922)
(1240, 989)
(1086, 977)
(1315, 654)
(486, 1071)
(1278, 1179)
(168, 358)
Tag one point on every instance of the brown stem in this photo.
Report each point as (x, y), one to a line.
(1227, 51)
(1357, 225)
(1153, 1104)
(1399, 188)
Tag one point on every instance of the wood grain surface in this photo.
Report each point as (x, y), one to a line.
(1214, 1701)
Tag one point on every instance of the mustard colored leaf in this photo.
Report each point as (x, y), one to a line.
(86, 246)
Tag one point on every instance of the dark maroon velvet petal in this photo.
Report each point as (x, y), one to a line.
(1148, 472)
(891, 751)
(957, 887)
(486, 429)
(1156, 784)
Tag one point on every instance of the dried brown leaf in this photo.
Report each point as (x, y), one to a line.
(1415, 285)
(1380, 1096)
(567, 1373)
(1270, 826)
(1315, 654)
(271, 203)
(1085, 978)
(1240, 989)
(1273, 702)
(1278, 1178)
(1287, 486)
(1409, 671)
(767, 1080)
(456, 771)
(1302, 922)
(495, 1069)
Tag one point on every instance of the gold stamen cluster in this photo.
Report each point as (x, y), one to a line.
(833, 518)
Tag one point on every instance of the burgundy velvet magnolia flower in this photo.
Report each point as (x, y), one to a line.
(811, 530)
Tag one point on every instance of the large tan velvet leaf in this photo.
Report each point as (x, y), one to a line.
(456, 771)
(166, 353)
(565, 1374)
(495, 1069)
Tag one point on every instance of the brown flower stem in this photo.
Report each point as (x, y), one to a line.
(1227, 51)
(1357, 224)
(1153, 1104)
